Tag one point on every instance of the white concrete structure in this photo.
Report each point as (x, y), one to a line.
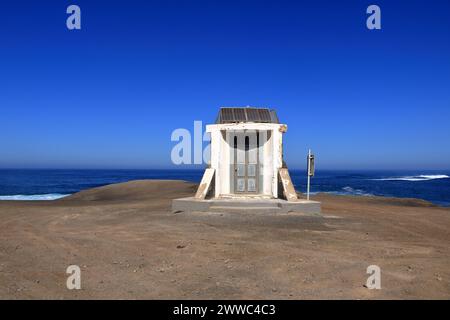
(246, 152)
(246, 168)
(238, 150)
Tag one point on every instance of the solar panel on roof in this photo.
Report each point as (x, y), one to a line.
(239, 115)
(226, 115)
(264, 115)
(252, 115)
(233, 115)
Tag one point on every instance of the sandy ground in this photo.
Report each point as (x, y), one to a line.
(130, 246)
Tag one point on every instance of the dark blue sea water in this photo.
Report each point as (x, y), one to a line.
(433, 186)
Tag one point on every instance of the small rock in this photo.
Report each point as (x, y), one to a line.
(181, 246)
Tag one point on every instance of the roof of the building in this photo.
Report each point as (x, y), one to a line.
(247, 114)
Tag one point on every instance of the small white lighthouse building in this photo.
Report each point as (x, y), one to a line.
(246, 152)
(246, 168)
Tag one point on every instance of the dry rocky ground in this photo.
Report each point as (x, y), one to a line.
(130, 246)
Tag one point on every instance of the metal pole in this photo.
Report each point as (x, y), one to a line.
(309, 177)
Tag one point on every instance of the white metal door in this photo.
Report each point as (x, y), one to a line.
(246, 174)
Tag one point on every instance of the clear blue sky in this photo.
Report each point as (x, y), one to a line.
(110, 94)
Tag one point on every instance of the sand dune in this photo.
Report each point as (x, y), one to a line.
(134, 190)
(129, 245)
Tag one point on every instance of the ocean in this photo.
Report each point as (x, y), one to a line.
(433, 186)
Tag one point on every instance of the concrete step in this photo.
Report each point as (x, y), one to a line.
(246, 204)
(237, 209)
(190, 204)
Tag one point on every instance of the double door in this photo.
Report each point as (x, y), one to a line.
(245, 165)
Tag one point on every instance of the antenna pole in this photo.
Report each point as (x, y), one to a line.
(309, 176)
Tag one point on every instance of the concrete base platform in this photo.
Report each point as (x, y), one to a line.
(190, 204)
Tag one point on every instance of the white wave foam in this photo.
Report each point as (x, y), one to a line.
(348, 191)
(50, 196)
(357, 192)
(434, 176)
(422, 177)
